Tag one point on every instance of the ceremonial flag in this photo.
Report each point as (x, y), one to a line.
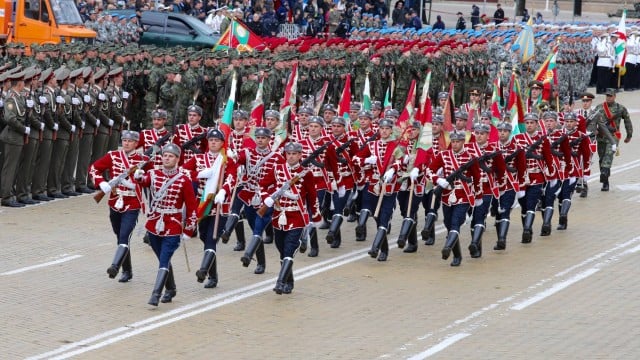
(319, 98)
(213, 183)
(525, 42)
(516, 106)
(366, 94)
(387, 100)
(290, 91)
(345, 100)
(406, 116)
(496, 100)
(447, 125)
(621, 44)
(257, 107)
(424, 110)
(239, 37)
(546, 74)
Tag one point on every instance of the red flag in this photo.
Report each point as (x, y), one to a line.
(257, 107)
(547, 74)
(447, 125)
(345, 100)
(424, 114)
(407, 113)
(238, 36)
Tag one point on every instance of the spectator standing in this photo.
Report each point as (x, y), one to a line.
(398, 14)
(498, 16)
(461, 24)
(475, 15)
(439, 24)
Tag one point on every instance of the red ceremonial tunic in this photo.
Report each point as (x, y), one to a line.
(117, 162)
(461, 192)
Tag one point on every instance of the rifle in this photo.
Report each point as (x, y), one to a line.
(150, 153)
(482, 160)
(311, 159)
(190, 144)
(342, 148)
(369, 139)
(530, 150)
(557, 142)
(286, 186)
(437, 190)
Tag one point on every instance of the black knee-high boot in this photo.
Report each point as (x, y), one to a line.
(207, 261)
(161, 278)
(405, 229)
(285, 271)
(428, 232)
(241, 240)
(475, 248)
(170, 287)
(564, 212)
(118, 259)
(377, 241)
(361, 228)
(229, 226)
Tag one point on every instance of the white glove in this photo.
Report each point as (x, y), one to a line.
(138, 174)
(521, 194)
(206, 173)
(102, 97)
(128, 184)
(27, 131)
(30, 103)
(73, 128)
(371, 160)
(114, 99)
(125, 94)
(342, 191)
(87, 98)
(334, 185)
(60, 100)
(269, 201)
(405, 159)
(388, 175)
(97, 123)
(105, 187)
(553, 182)
(75, 101)
(572, 180)
(185, 237)
(413, 175)
(443, 183)
(479, 202)
(2, 103)
(41, 126)
(43, 100)
(220, 196)
(290, 195)
(56, 127)
(83, 124)
(614, 147)
(110, 122)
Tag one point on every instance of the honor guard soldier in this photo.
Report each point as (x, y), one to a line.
(171, 197)
(610, 115)
(158, 136)
(342, 171)
(210, 167)
(293, 210)
(13, 137)
(362, 136)
(583, 115)
(124, 197)
(511, 183)
(329, 111)
(461, 120)
(430, 204)
(580, 158)
(190, 130)
(381, 182)
(318, 142)
(300, 130)
(559, 173)
(490, 168)
(258, 162)
(538, 154)
(457, 195)
(272, 120)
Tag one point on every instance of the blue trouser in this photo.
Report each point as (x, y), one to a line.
(480, 212)
(256, 222)
(567, 190)
(287, 242)
(403, 203)
(550, 193)
(370, 201)
(164, 247)
(340, 202)
(205, 230)
(530, 199)
(123, 224)
(454, 216)
(505, 202)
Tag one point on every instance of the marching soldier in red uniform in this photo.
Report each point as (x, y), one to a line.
(300, 130)
(297, 205)
(431, 205)
(381, 182)
(216, 179)
(583, 115)
(314, 142)
(367, 132)
(459, 190)
(511, 183)
(171, 194)
(151, 136)
(124, 198)
(538, 154)
(580, 157)
(258, 162)
(489, 169)
(342, 171)
(562, 167)
(188, 131)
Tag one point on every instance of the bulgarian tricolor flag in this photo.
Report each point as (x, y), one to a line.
(387, 100)
(366, 94)
(547, 75)
(406, 116)
(620, 46)
(239, 37)
(447, 125)
(290, 91)
(257, 107)
(424, 114)
(516, 106)
(496, 100)
(214, 182)
(345, 101)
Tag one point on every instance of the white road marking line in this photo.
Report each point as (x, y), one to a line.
(440, 346)
(554, 289)
(38, 266)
